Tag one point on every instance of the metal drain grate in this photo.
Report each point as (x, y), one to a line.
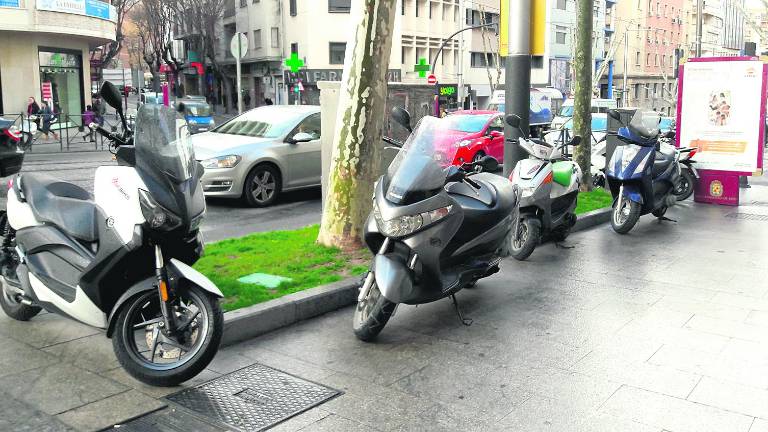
(748, 216)
(254, 398)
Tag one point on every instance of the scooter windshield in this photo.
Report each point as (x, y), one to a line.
(162, 143)
(643, 129)
(417, 172)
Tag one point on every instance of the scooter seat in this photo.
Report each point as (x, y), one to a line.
(662, 160)
(62, 204)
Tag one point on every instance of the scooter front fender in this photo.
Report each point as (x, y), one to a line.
(632, 192)
(393, 279)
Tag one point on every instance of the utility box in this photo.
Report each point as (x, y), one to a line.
(613, 127)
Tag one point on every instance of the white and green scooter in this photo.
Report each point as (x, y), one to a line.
(549, 185)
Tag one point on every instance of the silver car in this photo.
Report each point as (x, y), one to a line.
(261, 153)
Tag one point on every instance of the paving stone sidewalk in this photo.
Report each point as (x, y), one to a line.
(665, 328)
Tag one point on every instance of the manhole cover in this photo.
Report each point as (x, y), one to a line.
(253, 398)
(748, 216)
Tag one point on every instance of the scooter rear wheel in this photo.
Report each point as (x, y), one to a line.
(372, 314)
(684, 188)
(15, 308)
(625, 215)
(528, 235)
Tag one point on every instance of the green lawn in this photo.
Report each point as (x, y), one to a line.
(293, 254)
(595, 199)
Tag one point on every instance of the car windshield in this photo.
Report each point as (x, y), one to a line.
(198, 110)
(418, 167)
(467, 123)
(263, 122)
(162, 143)
(566, 111)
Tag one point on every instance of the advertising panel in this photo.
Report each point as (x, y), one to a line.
(91, 8)
(722, 113)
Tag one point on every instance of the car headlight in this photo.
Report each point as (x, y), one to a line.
(228, 161)
(464, 143)
(408, 224)
(157, 216)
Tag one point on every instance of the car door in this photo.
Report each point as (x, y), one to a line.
(496, 144)
(303, 158)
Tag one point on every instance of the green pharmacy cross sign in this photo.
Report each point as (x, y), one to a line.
(422, 68)
(295, 63)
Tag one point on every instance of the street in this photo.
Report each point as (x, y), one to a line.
(224, 218)
(662, 329)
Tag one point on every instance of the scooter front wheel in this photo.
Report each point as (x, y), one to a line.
(528, 235)
(625, 215)
(371, 314)
(154, 357)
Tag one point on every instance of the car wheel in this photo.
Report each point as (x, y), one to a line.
(479, 155)
(262, 186)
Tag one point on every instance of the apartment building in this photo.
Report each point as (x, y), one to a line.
(756, 28)
(650, 30)
(722, 28)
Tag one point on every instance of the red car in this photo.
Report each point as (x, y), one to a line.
(479, 133)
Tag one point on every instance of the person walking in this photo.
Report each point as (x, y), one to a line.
(47, 117)
(32, 107)
(88, 117)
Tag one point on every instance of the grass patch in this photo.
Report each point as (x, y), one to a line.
(292, 254)
(595, 199)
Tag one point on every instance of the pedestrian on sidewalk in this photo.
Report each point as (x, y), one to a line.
(89, 117)
(268, 101)
(32, 107)
(47, 116)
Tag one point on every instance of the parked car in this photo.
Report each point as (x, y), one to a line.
(198, 115)
(477, 133)
(261, 153)
(151, 98)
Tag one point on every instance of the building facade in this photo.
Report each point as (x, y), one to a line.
(45, 51)
(722, 32)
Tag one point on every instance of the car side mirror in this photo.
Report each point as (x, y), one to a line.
(488, 164)
(612, 113)
(513, 120)
(402, 117)
(301, 137)
(111, 95)
(495, 134)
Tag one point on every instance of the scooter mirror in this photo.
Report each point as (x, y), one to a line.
(402, 117)
(489, 164)
(576, 140)
(612, 113)
(111, 96)
(513, 120)
(454, 174)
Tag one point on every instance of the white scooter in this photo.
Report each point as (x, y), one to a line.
(120, 262)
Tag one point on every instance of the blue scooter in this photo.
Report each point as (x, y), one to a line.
(642, 173)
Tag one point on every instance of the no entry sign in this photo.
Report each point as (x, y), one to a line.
(431, 80)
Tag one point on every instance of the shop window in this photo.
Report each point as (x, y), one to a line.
(61, 71)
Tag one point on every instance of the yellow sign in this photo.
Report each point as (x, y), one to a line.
(538, 24)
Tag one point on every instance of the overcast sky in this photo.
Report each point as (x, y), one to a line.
(754, 3)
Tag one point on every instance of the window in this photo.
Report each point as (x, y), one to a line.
(638, 32)
(257, 39)
(537, 62)
(636, 91)
(497, 125)
(650, 8)
(478, 59)
(402, 7)
(561, 5)
(417, 8)
(647, 91)
(665, 11)
(658, 9)
(637, 58)
(647, 59)
(310, 125)
(275, 37)
(663, 61)
(294, 48)
(402, 55)
(560, 34)
(671, 63)
(655, 89)
(656, 60)
(256, 1)
(292, 7)
(336, 52)
(339, 6)
(243, 3)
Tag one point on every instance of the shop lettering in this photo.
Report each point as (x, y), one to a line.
(311, 76)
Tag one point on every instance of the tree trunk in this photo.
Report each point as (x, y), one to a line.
(356, 153)
(582, 99)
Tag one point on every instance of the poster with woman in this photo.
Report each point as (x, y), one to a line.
(721, 111)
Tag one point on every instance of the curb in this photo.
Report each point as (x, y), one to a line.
(593, 218)
(256, 320)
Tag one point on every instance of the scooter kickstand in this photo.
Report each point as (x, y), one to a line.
(664, 218)
(465, 321)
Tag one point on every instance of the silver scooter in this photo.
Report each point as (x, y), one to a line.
(434, 229)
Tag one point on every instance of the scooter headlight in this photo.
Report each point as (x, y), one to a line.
(157, 216)
(628, 153)
(402, 226)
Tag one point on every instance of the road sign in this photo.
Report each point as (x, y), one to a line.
(422, 67)
(431, 79)
(239, 45)
(294, 62)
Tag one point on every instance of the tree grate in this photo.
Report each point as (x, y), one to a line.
(748, 216)
(254, 398)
